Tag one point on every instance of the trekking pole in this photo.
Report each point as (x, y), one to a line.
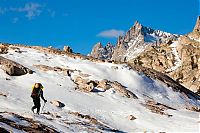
(43, 107)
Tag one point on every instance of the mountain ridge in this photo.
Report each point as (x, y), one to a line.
(136, 39)
(178, 59)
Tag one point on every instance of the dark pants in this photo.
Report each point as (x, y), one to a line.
(37, 105)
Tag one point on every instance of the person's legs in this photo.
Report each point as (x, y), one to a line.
(35, 104)
(38, 105)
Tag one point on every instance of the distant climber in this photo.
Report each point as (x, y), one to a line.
(37, 92)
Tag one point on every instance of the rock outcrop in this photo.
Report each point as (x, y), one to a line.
(67, 49)
(3, 49)
(84, 85)
(87, 85)
(101, 52)
(56, 69)
(12, 68)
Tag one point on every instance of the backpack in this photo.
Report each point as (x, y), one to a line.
(36, 92)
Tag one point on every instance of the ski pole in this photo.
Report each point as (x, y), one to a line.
(43, 107)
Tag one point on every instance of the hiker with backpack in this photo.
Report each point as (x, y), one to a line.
(37, 92)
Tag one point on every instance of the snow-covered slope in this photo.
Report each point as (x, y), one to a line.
(111, 109)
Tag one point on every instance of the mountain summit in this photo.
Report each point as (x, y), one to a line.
(136, 39)
(197, 26)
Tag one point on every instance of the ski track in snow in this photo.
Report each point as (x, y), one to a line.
(109, 106)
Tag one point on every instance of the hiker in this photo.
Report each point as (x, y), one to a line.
(37, 92)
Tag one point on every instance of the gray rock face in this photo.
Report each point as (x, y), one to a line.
(135, 41)
(101, 52)
(12, 68)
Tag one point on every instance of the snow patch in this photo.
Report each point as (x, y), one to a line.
(178, 61)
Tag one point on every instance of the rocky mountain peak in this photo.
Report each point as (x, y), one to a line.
(137, 25)
(99, 51)
(134, 31)
(195, 34)
(197, 26)
(136, 39)
(98, 45)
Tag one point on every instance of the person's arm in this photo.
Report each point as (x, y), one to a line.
(43, 96)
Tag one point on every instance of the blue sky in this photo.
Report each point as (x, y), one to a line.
(82, 23)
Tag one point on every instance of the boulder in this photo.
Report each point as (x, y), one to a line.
(67, 49)
(3, 94)
(104, 84)
(131, 117)
(84, 85)
(3, 49)
(57, 103)
(12, 68)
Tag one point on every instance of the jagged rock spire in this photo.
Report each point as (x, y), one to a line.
(137, 25)
(95, 50)
(197, 26)
(135, 30)
(101, 52)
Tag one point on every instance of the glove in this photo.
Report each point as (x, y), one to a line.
(45, 100)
